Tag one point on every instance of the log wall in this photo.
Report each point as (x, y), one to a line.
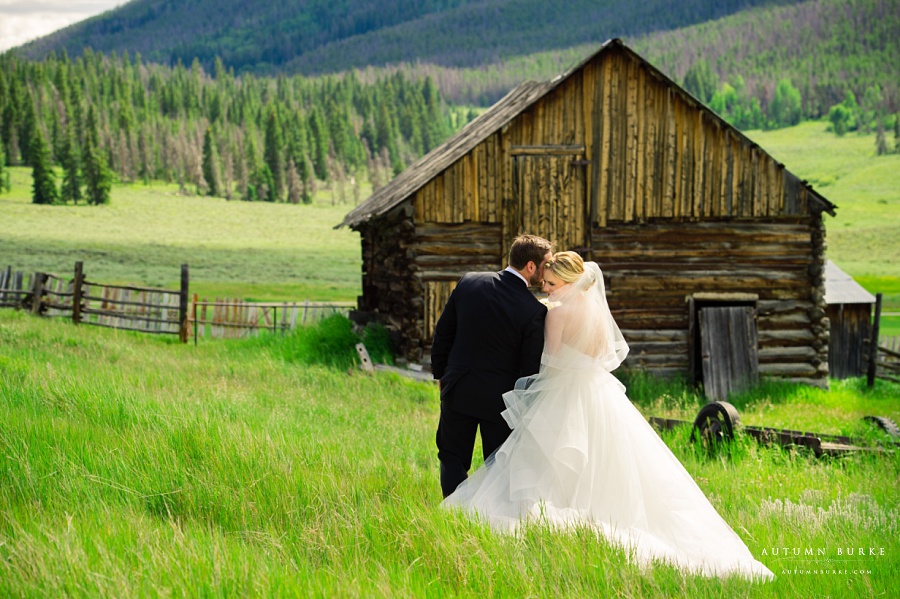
(392, 294)
(652, 271)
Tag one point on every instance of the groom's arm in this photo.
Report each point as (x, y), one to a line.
(444, 335)
(533, 344)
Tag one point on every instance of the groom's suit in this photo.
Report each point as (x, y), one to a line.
(490, 333)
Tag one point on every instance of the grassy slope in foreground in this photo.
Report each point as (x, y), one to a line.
(134, 466)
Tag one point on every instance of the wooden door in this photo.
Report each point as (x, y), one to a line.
(729, 350)
(549, 198)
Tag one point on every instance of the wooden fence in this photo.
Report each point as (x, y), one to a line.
(227, 318)
(145, 309)
(884, 353)
(153, 310)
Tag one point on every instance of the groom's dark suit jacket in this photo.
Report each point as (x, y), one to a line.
(490, 333)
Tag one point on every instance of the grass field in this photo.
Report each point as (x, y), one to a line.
(135, 466)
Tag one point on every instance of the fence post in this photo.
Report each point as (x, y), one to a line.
(194, 316)
(873, 344)
(37, 292)
(183, 305)
(76, 292)
(5, 282)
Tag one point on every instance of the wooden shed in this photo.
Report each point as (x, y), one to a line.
(685, 215)
(849, 310)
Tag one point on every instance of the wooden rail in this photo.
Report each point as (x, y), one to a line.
(231, 318)
(884, 356)
(154, 310)
(145, 309)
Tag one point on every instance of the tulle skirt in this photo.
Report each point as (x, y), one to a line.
(580, 454)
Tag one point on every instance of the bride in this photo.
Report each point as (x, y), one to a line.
(580, 453)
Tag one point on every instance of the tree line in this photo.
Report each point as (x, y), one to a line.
(104, 117)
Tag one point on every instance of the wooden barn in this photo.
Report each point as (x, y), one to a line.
(685, 215)
(849, 310)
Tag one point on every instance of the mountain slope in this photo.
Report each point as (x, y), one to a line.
(824, 47)
(318, 36)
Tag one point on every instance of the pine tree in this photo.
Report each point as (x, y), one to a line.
(881, 146)
(71, 184)
(4, 171)
(294, 185)
(274, 158)
(701, 81)
(44, 189)
(897, 133)
(97, 176)
(318, 139)
(210, 164)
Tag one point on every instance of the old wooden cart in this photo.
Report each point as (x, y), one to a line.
(718, 422)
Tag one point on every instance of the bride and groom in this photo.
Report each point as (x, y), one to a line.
(562, 443)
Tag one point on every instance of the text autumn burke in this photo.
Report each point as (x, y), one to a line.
(822, 551)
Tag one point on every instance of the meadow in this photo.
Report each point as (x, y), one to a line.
(136, 466)
(249, 250)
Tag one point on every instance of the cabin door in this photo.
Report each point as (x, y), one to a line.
(729, 350)
(549, 195)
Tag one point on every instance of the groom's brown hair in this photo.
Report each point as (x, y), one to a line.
(528, 248)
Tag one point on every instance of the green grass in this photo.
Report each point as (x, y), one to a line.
(136, 466)
(249, 250)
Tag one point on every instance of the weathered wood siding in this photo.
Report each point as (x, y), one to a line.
(851, 329)
(651, 152)
(444, 253)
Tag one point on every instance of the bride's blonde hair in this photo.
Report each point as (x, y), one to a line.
(568, 266)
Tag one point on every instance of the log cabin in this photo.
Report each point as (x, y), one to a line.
(684, 214)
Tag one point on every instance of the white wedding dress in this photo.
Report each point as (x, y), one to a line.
(580, 454)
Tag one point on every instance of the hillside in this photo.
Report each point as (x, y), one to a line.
(825, 47)
(475, 52)
(326, 36)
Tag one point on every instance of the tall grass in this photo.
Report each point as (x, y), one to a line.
(136, 466)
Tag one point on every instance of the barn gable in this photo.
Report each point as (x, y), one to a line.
(612, 159)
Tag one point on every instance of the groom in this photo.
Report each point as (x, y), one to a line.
(490, 333)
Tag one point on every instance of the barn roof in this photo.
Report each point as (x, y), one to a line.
(494, 118)
(840, 288)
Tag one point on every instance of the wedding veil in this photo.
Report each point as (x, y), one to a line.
(580, 319)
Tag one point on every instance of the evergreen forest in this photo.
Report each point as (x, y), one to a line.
(110, 117)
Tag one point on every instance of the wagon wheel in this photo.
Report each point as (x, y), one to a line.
(885, 424)
(715, 423)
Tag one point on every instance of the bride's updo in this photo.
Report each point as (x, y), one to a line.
(569, 267)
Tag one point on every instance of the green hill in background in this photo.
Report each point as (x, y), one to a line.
(318, 36)
(477, 51)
